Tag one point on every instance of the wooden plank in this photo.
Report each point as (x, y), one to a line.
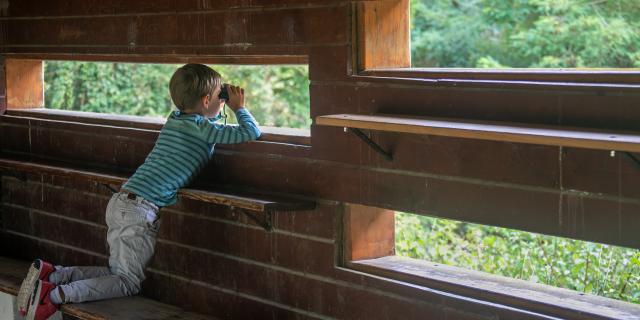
(370, 232)
(49, 9)
(167, 58)
(568, 76)
(269, 134)
(25, 83)
(30, 167)
(530, 296)
(490, 130)
(131, 308)
(261, 204)
(11, 274)
(3, 86)
(383, 34)
(224, 33)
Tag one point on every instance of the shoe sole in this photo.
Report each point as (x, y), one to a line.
(33, 303)
(26, 288)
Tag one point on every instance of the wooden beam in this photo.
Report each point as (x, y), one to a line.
(383, 34)
(370, 232)
(241, 201)
(526, 295)
(25, 83)
(491, 130)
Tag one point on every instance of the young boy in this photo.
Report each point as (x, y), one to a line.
(183, 148)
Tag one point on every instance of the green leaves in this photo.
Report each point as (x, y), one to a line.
(578, 265)
(526, 33)
(277, 95)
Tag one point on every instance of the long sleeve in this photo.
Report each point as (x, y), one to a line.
(246, 130)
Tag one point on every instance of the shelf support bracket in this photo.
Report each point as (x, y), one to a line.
(633, 158)
(265, 221)
(370, 142)
(109, 187)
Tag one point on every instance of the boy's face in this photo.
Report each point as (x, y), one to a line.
(215, 104)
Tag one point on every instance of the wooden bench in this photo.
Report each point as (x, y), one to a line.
(134, 308)
(259, 208)
(490, 130)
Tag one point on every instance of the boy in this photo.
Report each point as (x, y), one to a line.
(183, 148)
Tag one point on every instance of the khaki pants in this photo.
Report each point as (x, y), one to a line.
(133, 226)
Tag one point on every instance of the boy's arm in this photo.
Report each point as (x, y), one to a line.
(246, 130)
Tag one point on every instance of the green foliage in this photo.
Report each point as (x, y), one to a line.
(117, 88)
(578, 265)
(526, 33)
(276, 95)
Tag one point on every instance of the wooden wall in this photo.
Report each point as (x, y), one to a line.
(213, 261)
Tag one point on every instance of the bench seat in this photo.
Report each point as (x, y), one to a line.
(129, 308)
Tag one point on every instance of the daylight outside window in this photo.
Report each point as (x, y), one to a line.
(278, 95)
(604, 270)
(576, 34)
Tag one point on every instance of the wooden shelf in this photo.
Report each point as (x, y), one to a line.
(490, 130)
(13, 271)
(262, 204)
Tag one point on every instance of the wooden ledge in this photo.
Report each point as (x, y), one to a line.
(490, 130)
(521, 294)
(269, 134)
(13, 271)
(237, 200)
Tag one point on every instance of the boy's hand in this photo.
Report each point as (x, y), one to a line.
(236, 97)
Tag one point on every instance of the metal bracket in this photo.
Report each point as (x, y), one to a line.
(265, 223)
(633, 158)
(370, 142)
(109, 187)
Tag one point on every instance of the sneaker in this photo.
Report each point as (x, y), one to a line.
(39, 270)
(40, 306)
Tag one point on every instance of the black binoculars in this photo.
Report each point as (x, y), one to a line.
(224, 94)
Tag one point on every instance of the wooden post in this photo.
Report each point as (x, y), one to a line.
(369, 232)
(383, 34)
(24, 80)
(3, 87)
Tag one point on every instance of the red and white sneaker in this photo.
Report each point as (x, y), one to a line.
(40, 306)
(39, 270)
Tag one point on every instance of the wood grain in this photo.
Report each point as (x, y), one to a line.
(531, 296)
(25, 83)
(383, 35)
(261, 204)
(491, 130)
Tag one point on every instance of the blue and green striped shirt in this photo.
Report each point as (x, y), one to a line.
(184, 146)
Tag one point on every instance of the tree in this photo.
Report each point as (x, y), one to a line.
(278, 95)
(526, 33)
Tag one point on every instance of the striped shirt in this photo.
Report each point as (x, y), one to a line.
(184, 146)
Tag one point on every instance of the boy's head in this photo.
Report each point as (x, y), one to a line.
(190, 83)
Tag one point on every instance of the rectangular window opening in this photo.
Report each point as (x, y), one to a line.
(533, 272)
(587, 267)
(572, 34)
(277, 95)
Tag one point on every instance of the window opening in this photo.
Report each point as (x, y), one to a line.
(604, 270)
(278, 95)
(525, 34)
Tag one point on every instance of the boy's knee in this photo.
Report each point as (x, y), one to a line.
(131, 284)
(58, 276)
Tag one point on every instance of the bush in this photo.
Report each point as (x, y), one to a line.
(277, 95)
(599, 269)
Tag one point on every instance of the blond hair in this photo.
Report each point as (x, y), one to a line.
(192, 82)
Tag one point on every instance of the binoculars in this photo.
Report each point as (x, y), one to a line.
(224, 94)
